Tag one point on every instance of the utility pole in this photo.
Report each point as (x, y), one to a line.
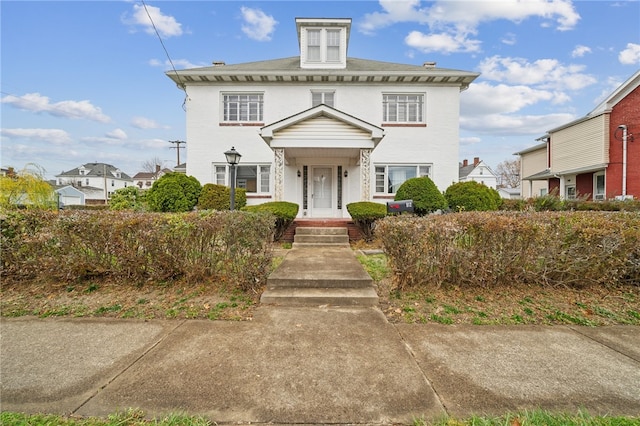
(177, 147)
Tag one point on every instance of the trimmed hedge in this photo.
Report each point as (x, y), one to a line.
(496, 249)
(174, 192)
(218, 197)
(472, 196)
(364, 215)
(426, 196)
(135, 248)
(284, 212)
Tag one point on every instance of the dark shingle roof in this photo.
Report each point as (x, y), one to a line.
(96, 170)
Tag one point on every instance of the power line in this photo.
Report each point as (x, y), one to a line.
(181, 85)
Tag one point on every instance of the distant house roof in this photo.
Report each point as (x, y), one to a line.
(96, 170)
(150, 175)
(464, 171)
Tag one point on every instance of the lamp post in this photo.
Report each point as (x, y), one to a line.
(233, 158)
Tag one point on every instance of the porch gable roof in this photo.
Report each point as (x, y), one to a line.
(376, 133)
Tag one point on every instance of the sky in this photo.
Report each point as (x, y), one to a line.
(84, 81)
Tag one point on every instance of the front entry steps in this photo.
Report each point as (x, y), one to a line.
(320, 269)
(331, 237)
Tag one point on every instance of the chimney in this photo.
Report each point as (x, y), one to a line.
(476, 160)
(429, 64)
(157, 168)
(219, 63)
(465, 162)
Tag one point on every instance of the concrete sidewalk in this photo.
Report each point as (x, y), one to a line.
(314, 365)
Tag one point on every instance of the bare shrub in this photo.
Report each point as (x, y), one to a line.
(496, 249)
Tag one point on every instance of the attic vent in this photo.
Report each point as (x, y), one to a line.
(219, 63)
(429, 65)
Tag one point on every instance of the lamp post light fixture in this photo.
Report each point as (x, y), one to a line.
(233, 158)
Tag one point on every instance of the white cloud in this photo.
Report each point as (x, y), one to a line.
(545, 73)
(178, 63)
(483, 98)
(509, 39)
(580, 51)
(445, 43)
(471, 140)
(146, 123)
(117, 134)
(451, 21)
(257, 25)
(511, 125)
(166, 25)
(630, 55)
(35, 102)
(54, 136)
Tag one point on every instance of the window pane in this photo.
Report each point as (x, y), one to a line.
(313, 45)
(242, 107)
(265, 172)
(220, 174)
(424, 171)
(398, 175)
(403, 108)
(247, 178)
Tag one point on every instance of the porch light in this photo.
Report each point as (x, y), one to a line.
(299, 174)
(346, 173)
(233, 158)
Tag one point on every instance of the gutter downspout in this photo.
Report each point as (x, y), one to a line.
(624, 160)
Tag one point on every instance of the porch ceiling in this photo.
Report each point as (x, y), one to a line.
(292, 153)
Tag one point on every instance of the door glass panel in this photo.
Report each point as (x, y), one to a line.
(322, 188)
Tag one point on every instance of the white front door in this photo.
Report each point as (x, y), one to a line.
(321, 189)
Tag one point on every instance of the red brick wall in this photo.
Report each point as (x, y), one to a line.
(627, 111)
(584, 185)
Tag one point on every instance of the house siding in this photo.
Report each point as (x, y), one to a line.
(531, 163)
(582, 145)
(436, 143)
(627, 112)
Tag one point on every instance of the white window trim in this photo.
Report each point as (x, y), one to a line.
(323, 93)
(596, 196)
(324, 60)
(386, 174)
(421, 119)
(227, 176)
(223, 102)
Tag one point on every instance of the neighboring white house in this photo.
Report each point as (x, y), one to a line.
(322, 129)
(477, 171)
(100, 180)
(144, 180)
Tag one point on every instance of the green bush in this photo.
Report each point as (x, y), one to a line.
(426, 196)
(574, 249)
(136, 248)
(218, 197)
(284, 212)
(129, 198)
(174, 192)
(472, 196)
(364, 215)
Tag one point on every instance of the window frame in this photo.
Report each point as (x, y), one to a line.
(263, 176)
(323, 94)
(394, 117)
(323, 47)
(421, 170)
(244, 106)
(599, 196)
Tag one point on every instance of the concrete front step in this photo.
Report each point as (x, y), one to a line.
(321, 296)
(327, 281)
(304, 230)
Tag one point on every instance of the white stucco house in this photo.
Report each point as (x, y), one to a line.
(97, 181)
(323, 129)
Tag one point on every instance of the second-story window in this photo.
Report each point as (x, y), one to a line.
(322, 97)
(324, 45)
(403, 108)
(243, 107)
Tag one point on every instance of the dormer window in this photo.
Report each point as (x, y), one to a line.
(323, 42)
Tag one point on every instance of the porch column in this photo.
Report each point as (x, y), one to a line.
(278, 184)
(365, 174)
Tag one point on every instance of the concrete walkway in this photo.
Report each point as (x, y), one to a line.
(314, 365)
